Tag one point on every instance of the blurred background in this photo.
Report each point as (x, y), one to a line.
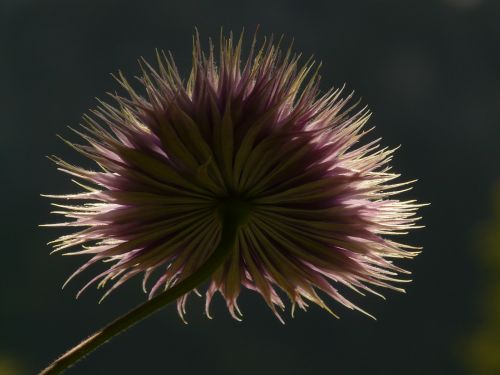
(429, 70)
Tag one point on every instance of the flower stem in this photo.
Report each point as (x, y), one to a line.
(231, 220)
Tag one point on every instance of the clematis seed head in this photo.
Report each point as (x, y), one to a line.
(252, 135)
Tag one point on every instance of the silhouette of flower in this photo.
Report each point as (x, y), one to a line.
(315, 208)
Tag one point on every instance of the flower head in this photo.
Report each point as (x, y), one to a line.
(256, 135)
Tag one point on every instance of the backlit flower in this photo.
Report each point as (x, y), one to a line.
(256, 134)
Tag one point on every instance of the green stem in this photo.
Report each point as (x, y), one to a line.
(231, 220)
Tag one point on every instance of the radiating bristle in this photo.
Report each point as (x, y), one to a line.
(258, 129)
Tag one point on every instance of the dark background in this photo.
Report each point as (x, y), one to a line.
(429, 70)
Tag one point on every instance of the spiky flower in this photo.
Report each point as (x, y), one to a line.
(257, 135)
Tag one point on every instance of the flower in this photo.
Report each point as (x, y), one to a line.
(256, 135)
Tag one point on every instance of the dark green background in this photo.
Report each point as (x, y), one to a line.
(429, 70)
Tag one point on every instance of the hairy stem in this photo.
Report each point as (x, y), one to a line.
(231, 219)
